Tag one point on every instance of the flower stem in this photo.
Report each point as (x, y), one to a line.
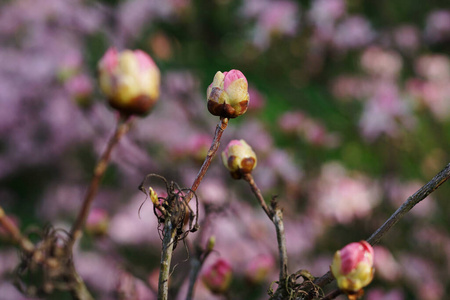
(276, 216)
(166, 258)
(77, 228)
(412, 201)
(211, 152)
(259, 197)
(24, 243)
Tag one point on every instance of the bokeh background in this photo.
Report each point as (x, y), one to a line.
(349, 115)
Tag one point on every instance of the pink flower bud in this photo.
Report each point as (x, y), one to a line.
(353, 266)
(258, 268)
(228, 94)
(239, 158)
(97, 222)
(130, 80)
(217, 278)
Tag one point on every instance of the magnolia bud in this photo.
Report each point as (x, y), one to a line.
(97, 222)
(211, 243)
(130, 80)
(239, 158)
(259, 268)
(218, 277)
(153, 197)
(353, 266)
(228, 94)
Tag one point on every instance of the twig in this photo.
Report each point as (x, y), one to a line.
(275, 214)
(196, 265)
(257, 192)
(25, 244)
(413, 200)
(211, 152)
(332, 295)
(277, 220)
(166, 258)
(121, 129)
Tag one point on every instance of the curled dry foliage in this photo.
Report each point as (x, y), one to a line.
(175, 206)
(49, 266)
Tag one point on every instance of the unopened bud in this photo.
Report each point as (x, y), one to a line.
(211, 243)
(97, 222)
(353, 266)
(154, 197)
(239, 158)
(259, 268)
(228, 94)
(130, 80)
(217, 278)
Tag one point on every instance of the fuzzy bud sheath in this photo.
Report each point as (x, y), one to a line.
(130, 80)
(353, 266)
(228, 94)
(239, 158)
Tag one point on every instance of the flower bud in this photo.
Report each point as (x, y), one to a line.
(130, 80)
(153, 197)
(259, 268)
(228, 94)
(211, 243)
(353, 266)
(217, 278)
(239, 158)
(97, 222)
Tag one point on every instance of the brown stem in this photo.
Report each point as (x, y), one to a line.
(276, 216)
(121, 129)
(166, 258)
(259, 196)
(211, 152)
(277, 220)
(79, 290)
(24, 243)
(413, 200)
(196, 265)
(332, 295)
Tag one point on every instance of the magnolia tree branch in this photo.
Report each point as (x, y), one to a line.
(259, 197)
(211, 153)
(25, 244)
(78, 290)
(275, 214)
(123, 125)
(166, 258)
(412, 201)
(169, 231)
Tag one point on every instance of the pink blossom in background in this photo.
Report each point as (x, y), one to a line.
(213, 191)
(349, 87)
(435, 241)
(277, 18)
(379, 294)
(434, 67)
(422, 275)
(324, 11)
(353, 32)
(437, 27)
(257, 100)
(385, 264)
(258, 269)
(386, 112)
(347, 197)
(398, 192)
(381, 63)
(309, 129)
(126, 227)
(407, 38)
